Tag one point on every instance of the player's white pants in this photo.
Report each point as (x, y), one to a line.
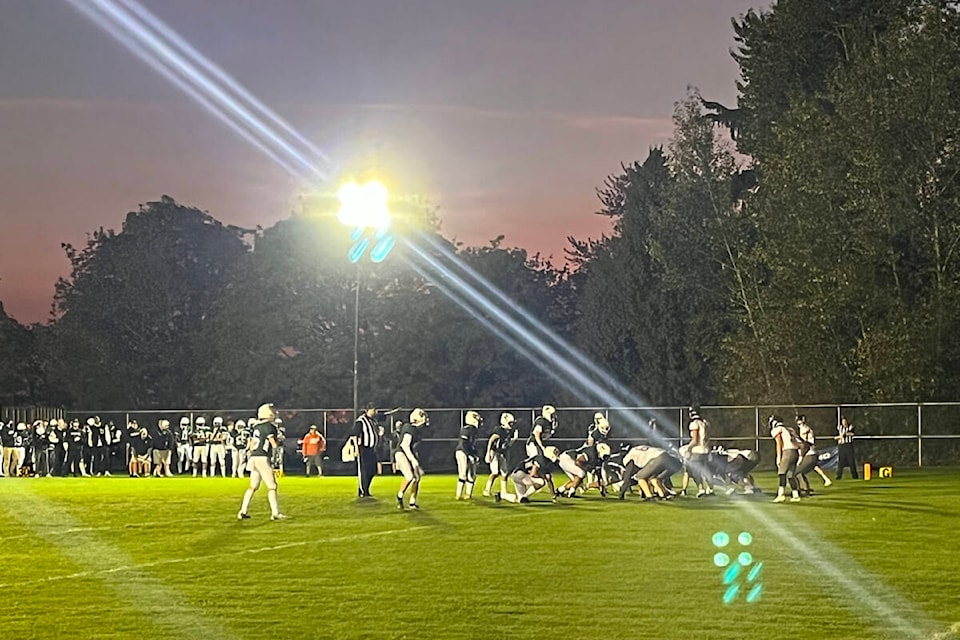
(409, 470)
(525, 484)
(201, 454)
(466, 468)
(260, 469)
(218, 454)
(570, 467)
(498, 465)
(531, 449)
(240, 462)
(184, 456)
(232, 451)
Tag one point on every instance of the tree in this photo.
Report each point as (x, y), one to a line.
(127, 318)
(21, 377)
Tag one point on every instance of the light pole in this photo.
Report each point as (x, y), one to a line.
(364, 209)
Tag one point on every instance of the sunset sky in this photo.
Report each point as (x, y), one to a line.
(506, 114)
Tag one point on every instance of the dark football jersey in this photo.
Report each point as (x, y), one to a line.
(415, 436)
(466, 443)
(260, 437)
(504, 439)
(546, 429)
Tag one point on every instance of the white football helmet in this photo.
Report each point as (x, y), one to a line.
(603, 450)
(267, 412)
(507, 420)
(473, 419)
(603, 426)
(548, 411)
(201, 421)
(184, 421)
(551, 453)
(240, 424)
(597, 417)
(217, 421)
(164, 424)
(418, 417)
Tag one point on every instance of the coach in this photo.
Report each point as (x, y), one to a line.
(366, 437)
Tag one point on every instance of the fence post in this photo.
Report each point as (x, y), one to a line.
(756, 424)
(919, 435)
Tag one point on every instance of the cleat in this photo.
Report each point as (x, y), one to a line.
(414, 506)
(399, 503)
(780, 498)
(524, 500)
(279, 516)
(486, 494)
(243, 516)
(701, 493)
(795, 499)
(827, 482)
(497, 498)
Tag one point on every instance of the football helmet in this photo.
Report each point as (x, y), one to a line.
(418, 417)
(184, 421)
(217, 421)
(603, 426)
(473, 419)
(507, 420)
(164, 424)
(90, 422)
(267, 412)
(201, 421)
(240, 424)
(551, 453)
(548, 411)
(694, 413)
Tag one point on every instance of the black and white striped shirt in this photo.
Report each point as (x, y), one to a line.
(845, 432)
(367, 431)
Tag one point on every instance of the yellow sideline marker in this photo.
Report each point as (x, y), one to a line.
(882, 472)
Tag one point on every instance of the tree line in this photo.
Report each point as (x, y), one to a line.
(799, 247)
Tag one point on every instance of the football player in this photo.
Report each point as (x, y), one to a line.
(263, 439)
(809, 457)
(531, 475)
(278, 452)
(240, 442)
(695, 460)
(230, 443)
(577, 462)
(200, 442)
(788, 455)
(406, 460)
(543, 428)
(738, 463)
(648, 465)
(218, 448)
(497, 447)
(184, 448)
(466, 455)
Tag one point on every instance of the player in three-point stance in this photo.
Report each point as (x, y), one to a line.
(497, 447)
(466, 455)
(406, 458)
(576, 463)
(648, 465)
(533, 474)
(263, 439)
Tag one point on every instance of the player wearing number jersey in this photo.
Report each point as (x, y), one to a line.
(466, 455)
(240, 440)
(262, 442)
(497, 448)
(406, 460)
(647, 465)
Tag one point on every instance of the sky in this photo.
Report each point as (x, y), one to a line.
(505, 114)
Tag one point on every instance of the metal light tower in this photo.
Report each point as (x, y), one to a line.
(364, 209)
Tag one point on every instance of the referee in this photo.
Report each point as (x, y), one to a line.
(366, 437)
(845, 454)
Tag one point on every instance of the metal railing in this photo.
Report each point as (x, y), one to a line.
(904, 434)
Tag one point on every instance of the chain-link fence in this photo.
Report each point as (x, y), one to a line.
(905, 435)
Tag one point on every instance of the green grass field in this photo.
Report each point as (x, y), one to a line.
(166, 558)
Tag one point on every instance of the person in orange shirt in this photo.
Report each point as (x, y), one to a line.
(313, 445)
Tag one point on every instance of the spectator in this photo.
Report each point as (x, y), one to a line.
(140, 462)
(8, 434)
(163, 447)
(312, 446)
(41, 448)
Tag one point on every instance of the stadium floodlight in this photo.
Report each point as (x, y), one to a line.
(364, 208)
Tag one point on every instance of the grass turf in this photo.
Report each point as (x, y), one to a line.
(166, 558)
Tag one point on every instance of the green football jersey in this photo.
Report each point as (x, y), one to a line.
(260, 438)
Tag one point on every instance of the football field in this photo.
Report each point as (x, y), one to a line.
(167, 558)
